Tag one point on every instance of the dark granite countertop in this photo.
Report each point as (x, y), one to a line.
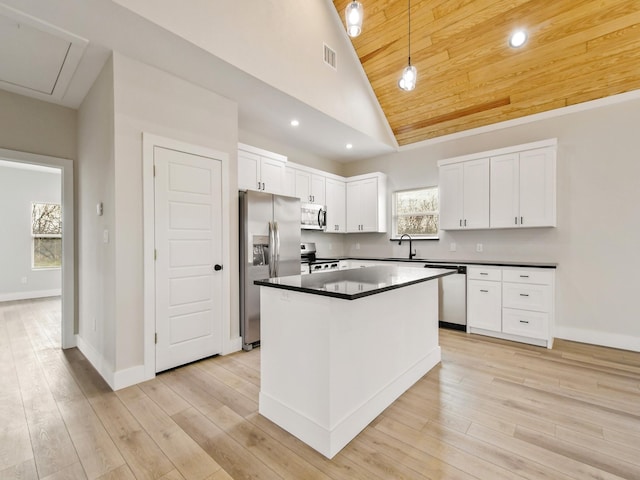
(355, 283)
(496, 263)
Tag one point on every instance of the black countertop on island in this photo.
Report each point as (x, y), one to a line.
(355, 283)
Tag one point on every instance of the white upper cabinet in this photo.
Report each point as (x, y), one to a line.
(523, 189)
(464, 195)
(309, 187)
(511, 187)
(336, 202)
(260, 170)
(366, 203)
(290, 181)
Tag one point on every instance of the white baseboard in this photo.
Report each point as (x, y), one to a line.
(96, 359)
(129, 376)
(116, 379)
(594, 337)
(232, 345)
(329, 441)
(9, 297)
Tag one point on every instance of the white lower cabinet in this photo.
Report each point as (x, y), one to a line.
(484, 305)
(511, 303)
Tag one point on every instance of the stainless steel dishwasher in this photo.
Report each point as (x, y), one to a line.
(452, 297)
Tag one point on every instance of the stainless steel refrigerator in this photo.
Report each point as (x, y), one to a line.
(269, 247)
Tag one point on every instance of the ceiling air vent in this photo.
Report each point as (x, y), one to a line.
(330, 57)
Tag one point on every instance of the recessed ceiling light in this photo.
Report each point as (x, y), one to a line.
(295, 123)
(349, 146)
(517, 38)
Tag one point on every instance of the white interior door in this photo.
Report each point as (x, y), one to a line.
(188, 242)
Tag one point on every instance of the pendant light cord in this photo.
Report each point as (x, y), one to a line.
(409, 32)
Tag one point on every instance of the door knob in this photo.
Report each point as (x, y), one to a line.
(217, 267)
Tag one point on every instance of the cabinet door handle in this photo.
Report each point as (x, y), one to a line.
(465, 222)
(524, 321)
(524, 294)
(521, 220)
(524, 276)
(484, 273)
(484, 291)
(460, 222)
(515, 220)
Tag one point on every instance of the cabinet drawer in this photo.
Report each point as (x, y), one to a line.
(527, 297)
(539, 276)
(484, 273)
(525, 323)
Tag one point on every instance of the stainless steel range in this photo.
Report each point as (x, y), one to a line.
(309, 263)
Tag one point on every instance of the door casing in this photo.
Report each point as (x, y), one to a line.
(149, 141)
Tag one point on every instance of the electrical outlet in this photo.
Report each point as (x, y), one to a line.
(452, 247)
(331, 246)
(105, 236)
(357, 246)
(23, 280)
(478, 247)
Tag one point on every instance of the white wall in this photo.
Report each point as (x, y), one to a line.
(130, 98)
(19, 188)
(149, 100)
(598, 233)
(95, 180)
(34, 126)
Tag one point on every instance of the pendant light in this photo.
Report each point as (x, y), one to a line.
(407, 81)
(353, 15)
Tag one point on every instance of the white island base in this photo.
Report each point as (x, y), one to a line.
(329, 366)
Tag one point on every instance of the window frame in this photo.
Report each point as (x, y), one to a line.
(395, 215)
(34, 236)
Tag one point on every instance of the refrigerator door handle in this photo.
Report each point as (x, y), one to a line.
(272, 244)
(277, 251)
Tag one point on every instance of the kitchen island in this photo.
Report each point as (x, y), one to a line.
(338, 347)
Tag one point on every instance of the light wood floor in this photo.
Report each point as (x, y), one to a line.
(491, 410)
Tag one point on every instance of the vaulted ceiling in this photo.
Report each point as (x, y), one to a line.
(468, 75)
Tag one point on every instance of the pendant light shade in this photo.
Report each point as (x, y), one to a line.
(353, 15)
(407, 81)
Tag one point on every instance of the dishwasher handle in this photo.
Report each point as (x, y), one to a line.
(460, 269)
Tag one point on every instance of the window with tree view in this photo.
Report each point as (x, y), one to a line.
(46, 231)
(416, 212)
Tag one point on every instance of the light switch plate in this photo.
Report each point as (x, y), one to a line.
(452, 247)
(478, 247)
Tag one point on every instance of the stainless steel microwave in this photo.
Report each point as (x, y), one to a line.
(314, 217)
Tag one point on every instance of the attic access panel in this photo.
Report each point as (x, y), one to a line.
(36, 59)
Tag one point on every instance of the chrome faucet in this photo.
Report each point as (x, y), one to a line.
(411, 252)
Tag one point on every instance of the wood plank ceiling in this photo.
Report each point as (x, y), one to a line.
(468, 76)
